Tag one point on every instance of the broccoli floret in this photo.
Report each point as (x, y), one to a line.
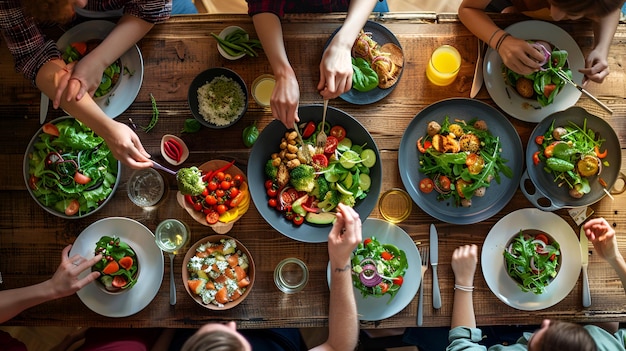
(303, 178)
(190, 181)
(347, 200)
(270, 170)
(330, 201)
(321, 187)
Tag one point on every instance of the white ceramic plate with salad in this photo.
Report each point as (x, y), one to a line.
(493, 265)
(149, 256)
(373, 308)
(508, 99)
(127, 88)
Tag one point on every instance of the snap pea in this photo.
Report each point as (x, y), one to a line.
(238, 43)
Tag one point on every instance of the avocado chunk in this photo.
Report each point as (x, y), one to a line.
(320, 218)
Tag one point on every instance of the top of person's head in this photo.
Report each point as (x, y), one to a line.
(58, 11)
(588, 8)
(566, 336)
(214, 340)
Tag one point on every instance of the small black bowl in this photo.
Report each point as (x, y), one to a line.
(206, 77)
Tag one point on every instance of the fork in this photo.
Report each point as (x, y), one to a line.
(424, 253)
(321, 136)
(305, 148)
(568, 80)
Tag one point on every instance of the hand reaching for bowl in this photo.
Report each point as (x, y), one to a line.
(65, 280)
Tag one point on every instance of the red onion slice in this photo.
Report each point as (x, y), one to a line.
(369, 275)
(546, 54)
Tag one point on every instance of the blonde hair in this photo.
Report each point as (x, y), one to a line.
(217, 340)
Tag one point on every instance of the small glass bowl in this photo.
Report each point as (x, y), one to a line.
(395, 205)
(291, 275)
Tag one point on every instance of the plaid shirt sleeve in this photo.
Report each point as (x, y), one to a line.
(153, 11)
(29, 47)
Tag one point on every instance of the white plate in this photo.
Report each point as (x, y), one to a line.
(492, 260)
(150, 260)
(377, 308)
(508, 99)
(127, 88)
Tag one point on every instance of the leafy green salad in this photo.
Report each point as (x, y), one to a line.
(70, 169)
(532, 260)
(118, 267)
(378, 269)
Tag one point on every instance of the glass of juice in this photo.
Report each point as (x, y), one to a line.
(444, 65)
(262, 88)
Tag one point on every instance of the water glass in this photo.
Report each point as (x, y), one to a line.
(444, 65)
(291, 275)
(146, 187)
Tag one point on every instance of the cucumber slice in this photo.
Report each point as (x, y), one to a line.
(347, 182)
(331, 177)
(369, 158)
(349, 158)
(346, 142)
(365, 182)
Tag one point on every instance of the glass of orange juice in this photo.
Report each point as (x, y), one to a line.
(444, 65)
(262, 88)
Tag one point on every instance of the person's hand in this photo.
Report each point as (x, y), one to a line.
(520, 56)
(602, 235)
(596, 67)
(344, 236)
(85, 77)
(335, 72)
(126, 146)
(65, 280)
(464, 260)
(285, 99)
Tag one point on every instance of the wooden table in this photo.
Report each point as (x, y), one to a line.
(174, 53)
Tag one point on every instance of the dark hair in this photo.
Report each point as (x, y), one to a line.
(217, 340)
(48, 10)
(588, 8)
(566, 336)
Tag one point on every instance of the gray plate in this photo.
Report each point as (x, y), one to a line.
(268, 143)
(497, 195)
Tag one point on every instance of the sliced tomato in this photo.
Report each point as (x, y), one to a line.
(542, 237)
(367, 241)
(474, 163)
(426, 185)
(32, 182)
(383, 287)
(443, 182)
(308, 130)
(81, 47)
(119, 281)
(50, 129)
(126, 262)
(72, 207)
(338, 132)
(398, 280)
(81, 178)
(289, 195)
(319, 161)
(212, 217)
(331, 145)
(548, 89)
(386, 255)
(460, 185)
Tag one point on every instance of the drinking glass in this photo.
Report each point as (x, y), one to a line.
(262, 89)
(444, 65)
(291, 275)
(395, 205)
(146, 187)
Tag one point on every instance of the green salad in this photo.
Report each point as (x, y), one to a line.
(532, 261)
(378, 269)
(118, 267)
(70, 169)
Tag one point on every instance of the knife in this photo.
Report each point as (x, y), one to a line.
(43, 108)
(477, 83)
(434, 257)
(584, 253)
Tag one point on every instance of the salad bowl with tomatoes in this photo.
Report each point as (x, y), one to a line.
(349, 163)
(224, 200)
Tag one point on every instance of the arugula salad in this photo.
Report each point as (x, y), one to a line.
(378, 269)
(572, 155)
(460, 160)
(70, 169)
(532, 260)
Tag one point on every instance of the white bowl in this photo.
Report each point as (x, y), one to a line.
(223, 35)
(185, 149)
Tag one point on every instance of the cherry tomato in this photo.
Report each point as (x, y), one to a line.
(32, 182)
(234, 191)
(542, 237)
(212, 185)
(460, 185)
(539, 139)
(219, 193)
(319, 161)
(398, 280)
(474, 163)
(238, 179)
(197, 206)
(367, 241)
(331, 144)
(386, 256)
(269, 183)
(308, 130)
(212, 217)
(271, 192)
(210, 199)
(444, 182)
(219, 176)
(81, 178)
(272, 202)
(225, 184)
(221, 209)
(338, 132)
(552, 257)
(118, 281)
(298, 219)
(426, 185)
(228, 177)
(205, 192)
(289, 215)
(72, 207)
(383, 287)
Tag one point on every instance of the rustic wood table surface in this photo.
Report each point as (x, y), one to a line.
(31, 239)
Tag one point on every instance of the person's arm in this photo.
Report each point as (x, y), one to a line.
(464, 261)
(336, 65)
(87, 73)
(602, 236)
(63, 283)
(343, 322)
(516, 53)
(286, 94)
(596, 64)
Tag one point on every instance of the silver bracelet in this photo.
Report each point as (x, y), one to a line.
(463, 288)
